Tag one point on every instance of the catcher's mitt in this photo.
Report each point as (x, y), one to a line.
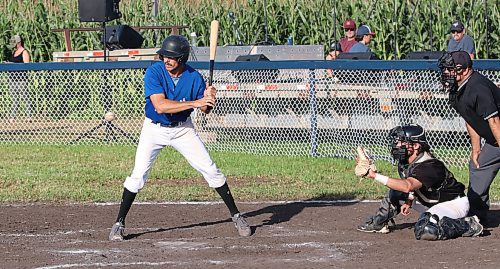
(364, 162)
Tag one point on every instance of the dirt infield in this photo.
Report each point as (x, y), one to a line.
(286, 235)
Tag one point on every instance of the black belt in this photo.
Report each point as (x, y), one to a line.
(169, 125)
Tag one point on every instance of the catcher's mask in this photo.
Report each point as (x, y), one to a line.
(175, 46)
(450, 65)
(412, 133)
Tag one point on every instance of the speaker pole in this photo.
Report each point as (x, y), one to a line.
(334, 15)
(394, 24)
(104, 38)
(487, 29)
(265, 23)
(154, 13)
(430, 24)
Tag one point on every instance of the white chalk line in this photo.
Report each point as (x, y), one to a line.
(351, 201)
(99, 264)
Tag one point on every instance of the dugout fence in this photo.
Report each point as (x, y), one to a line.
(301, 108)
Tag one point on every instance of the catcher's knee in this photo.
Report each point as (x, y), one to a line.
(427, 227)
(133, 184)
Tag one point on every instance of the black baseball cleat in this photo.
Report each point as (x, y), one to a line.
(475, 228)
(370, 226)
(241, 225)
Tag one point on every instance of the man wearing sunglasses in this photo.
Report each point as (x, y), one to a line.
(348, 41)
(459, 41)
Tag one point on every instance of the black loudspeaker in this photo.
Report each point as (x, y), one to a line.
(255, 75)
(122, 37)
(98, 10)
(424, 55)
(252, 58)
(357, 56)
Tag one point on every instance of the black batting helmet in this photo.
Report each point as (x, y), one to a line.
(175, 46)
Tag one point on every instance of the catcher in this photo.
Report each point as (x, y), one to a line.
(426, 185)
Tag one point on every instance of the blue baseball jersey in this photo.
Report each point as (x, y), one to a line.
(190, 87)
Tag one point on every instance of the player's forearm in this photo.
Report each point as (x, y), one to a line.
(401, 185)
(396, 184)
(169, 106)
(494, 123)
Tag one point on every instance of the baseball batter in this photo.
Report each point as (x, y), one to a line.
(173, 90)
(427, 186)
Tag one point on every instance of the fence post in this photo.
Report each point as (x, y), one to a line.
(313, 110)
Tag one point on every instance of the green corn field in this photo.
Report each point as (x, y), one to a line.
(307, 21)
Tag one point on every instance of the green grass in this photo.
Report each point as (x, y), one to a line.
(95, 174)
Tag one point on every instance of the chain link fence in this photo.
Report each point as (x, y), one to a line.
(302, 108)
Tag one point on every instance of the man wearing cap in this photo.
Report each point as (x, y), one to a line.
(459, 41)
(363, 37)
(349, 40)
(477, 100)
(172, 90)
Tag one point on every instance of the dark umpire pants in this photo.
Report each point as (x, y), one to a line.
(480, 180)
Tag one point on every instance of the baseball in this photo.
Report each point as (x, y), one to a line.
(109, 116)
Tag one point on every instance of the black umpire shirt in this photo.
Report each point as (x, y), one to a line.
(477, 100)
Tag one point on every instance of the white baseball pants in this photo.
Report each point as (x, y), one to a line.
(185, 140)
(455, 209)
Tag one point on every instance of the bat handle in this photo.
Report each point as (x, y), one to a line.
(211, 72)
(210, 79)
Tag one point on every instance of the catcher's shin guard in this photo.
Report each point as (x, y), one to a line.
(387, 210)
(446, 228)
(427, 227)
(453, 228)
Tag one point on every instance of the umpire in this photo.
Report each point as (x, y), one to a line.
(477, 100)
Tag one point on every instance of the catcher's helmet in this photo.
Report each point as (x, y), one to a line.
(175, 46)
(412, 133)
(408, 133)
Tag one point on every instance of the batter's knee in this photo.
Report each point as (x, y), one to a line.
(214, 177)
(133, 184)
(427, 227)
(216, 181)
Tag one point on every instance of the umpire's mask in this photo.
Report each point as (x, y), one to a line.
(450, 64)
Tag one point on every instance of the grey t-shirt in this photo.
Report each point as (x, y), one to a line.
(358, 47)
(465, 44)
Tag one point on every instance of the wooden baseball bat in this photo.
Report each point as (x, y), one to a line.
(214, 34)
